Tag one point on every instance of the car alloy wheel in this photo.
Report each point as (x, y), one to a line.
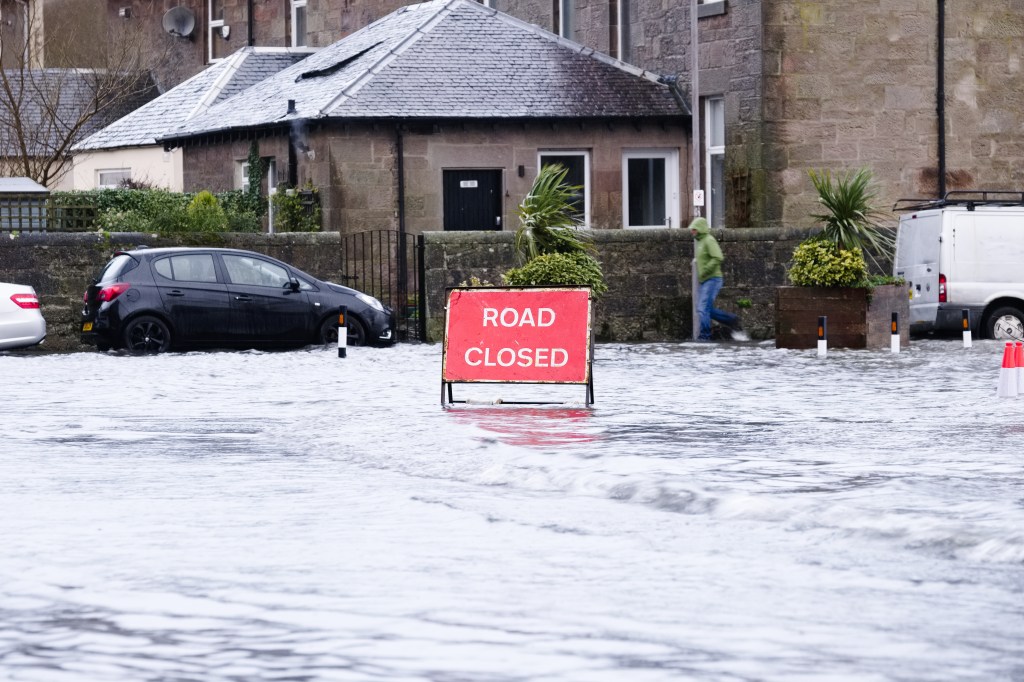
(356, 332)
(147, 334)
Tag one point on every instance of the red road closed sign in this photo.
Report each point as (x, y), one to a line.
(534, 335)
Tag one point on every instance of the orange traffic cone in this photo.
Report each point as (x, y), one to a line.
(1008, 374)
(1018, 359)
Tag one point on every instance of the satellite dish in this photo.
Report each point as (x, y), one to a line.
(179, 21)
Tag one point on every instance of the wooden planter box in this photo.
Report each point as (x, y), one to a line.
(857, 318)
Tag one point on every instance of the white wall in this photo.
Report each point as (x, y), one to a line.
(149, 164)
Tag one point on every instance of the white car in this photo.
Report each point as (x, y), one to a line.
(21, 321)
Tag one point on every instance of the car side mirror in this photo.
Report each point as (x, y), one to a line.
(292, 284)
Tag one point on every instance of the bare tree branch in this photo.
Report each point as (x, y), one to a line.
(57, 88)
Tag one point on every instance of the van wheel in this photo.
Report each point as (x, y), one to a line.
(1005, 324)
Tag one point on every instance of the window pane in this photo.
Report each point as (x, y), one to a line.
(646, 184)
(216, 10)
(113, 178)
(575, 163)
(716, 122)
(245, 270)
(219, 48)
(193, 268)
(718, 190)
(300, 26)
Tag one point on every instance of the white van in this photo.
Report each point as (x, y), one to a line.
(964, 252)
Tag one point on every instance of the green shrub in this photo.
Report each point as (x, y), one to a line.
(559, 269)
(816, 263)
(205, 214)
(297, 210)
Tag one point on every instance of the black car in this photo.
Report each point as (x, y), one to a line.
(154, 300)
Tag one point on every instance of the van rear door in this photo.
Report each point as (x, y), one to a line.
(917, 261)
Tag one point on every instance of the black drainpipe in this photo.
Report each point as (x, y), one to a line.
(250, 41)
(403, 262)
(940, 97)
(400, 163)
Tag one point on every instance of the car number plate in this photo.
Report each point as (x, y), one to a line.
(87, 326)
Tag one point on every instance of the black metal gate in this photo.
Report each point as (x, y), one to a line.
(388, 264)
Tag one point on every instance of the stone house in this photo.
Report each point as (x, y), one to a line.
(926, 93)
(439, 115)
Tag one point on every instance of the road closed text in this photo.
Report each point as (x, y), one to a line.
(523, 357)
(527, 335)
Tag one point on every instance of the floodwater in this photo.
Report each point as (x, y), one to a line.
(722, 513)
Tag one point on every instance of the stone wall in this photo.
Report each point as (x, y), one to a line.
(648, 274)
(61, 266)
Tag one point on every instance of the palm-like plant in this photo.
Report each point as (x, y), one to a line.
(548, 217)
(851, 218)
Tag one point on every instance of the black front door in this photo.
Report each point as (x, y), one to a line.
(472, 199)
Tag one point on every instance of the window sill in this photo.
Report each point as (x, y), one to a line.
(710, 9)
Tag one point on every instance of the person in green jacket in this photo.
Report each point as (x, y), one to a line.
(709, 274)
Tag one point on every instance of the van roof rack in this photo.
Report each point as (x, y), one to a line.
(964, 197)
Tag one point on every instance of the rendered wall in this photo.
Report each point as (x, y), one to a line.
(148, 164)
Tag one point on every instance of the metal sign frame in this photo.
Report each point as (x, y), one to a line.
(447, 381)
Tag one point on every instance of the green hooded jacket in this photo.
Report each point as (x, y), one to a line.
(707, 251)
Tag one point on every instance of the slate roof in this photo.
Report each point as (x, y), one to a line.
(194, 97)
(445, 59)
(71, 93)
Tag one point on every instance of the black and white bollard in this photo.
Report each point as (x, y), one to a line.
(822, 336)
(342, 332)
(966, 316)
(894, 344)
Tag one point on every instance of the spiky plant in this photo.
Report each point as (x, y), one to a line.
(548, 217)
(851, 219)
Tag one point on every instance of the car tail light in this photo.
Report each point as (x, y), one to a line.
(111, 292)
(942, 288)
(25, 300)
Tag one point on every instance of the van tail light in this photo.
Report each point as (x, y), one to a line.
(942, 288)
(111, 292)
(25, 300)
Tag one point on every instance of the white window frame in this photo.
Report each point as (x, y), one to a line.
(672, 208)
(296, 5)
(585, 153)
(710, 152)
(125, 173)
(215, 29)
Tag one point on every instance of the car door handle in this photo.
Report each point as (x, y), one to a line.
(176, 292)
(244, 299)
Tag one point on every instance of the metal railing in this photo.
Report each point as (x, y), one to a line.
(388, 265)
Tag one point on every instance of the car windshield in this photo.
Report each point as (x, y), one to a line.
(120, 264)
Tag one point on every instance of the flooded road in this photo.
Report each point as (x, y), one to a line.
(722, 513)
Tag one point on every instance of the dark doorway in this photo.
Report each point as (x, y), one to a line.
(472, 199)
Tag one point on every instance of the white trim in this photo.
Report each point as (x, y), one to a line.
(295, 5)
(585, 153)
(672, 208)
(712, 151)
(213, 25)
(125, 173)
